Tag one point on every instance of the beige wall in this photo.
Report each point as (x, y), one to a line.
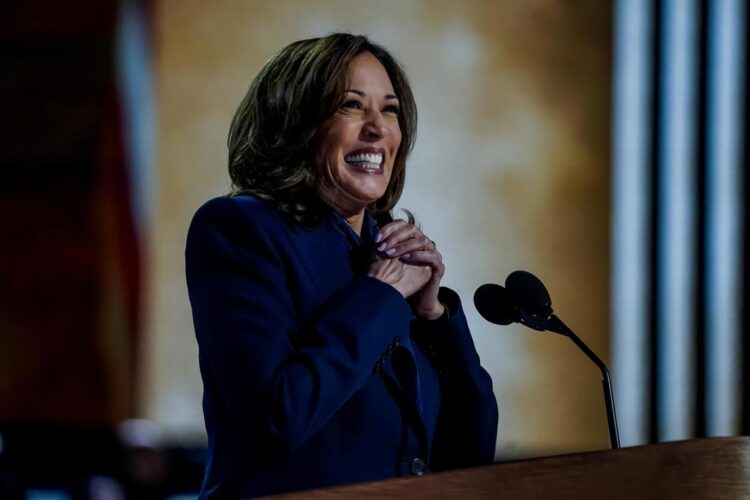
(510, 171)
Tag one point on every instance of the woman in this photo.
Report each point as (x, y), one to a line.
(328, 350)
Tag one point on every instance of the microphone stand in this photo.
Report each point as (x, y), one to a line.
(555, 324)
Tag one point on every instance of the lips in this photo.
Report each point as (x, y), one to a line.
(366, 159)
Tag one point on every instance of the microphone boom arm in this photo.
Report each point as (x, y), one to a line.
(555, 324)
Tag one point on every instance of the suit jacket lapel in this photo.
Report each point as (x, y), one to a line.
(325, 256)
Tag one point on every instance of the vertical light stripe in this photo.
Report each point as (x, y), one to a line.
(676, 252)
(135, 84)
(724, 213)
(631, 145)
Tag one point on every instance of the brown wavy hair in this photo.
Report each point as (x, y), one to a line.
(271, 139)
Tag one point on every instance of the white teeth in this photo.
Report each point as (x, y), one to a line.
(366, 165)
(375, 159)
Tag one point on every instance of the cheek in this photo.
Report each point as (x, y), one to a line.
(396, 134)
(396, 144)
(332, 143)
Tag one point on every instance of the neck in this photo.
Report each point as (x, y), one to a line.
(355, 221)
(353, 211)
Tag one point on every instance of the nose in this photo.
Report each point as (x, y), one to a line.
(374, 125)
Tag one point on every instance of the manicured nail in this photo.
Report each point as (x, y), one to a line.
(406, 256)
(390, 251)
(378, 237)
(381, 247)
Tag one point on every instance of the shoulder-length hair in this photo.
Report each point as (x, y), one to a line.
(271, 139)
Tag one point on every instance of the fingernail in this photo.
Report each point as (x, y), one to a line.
(406, 256)
(390, 251)
(381, 247)
(378, 237)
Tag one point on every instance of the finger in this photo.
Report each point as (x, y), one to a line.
(418, 243)
(410, 236)
(432, 259)
(419, 256)
(390, 270)
(398, 235)
(389, 228)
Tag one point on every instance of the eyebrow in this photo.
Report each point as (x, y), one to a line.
(362, 94)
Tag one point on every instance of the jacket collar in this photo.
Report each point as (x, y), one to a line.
(332, 252)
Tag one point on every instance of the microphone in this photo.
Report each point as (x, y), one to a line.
(529, 293)
(525, 300)
(494, 303)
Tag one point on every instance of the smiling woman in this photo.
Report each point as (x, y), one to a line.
(357, 146)
(300, 92)
(329, 351)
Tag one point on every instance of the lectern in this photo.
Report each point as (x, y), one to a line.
(696, 469)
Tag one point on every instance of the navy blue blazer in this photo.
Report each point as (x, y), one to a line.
(315, 374)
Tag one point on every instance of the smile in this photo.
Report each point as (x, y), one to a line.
(370, 161)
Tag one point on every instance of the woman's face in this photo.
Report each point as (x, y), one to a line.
(357, 146)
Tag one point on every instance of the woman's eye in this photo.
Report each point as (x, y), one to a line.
(392, 108)
(352, 104)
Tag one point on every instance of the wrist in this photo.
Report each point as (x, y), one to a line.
(437, 312)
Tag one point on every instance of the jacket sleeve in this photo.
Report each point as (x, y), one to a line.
(244, 317)
(467, 422)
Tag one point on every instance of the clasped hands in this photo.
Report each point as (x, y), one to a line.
(409, 261)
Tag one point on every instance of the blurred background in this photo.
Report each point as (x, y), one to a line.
(600, 145)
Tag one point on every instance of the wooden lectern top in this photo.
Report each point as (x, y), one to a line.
(695, 469)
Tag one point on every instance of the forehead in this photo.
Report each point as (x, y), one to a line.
(367, 73)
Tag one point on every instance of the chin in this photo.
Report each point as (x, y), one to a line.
(369, 197)
(371, 190)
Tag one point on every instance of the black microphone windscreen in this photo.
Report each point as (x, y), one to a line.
(529, 293)
(495, 305)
